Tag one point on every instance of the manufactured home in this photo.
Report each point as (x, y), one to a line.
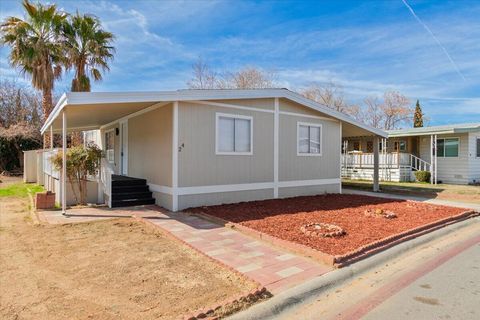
(451, 153)
(188, 148)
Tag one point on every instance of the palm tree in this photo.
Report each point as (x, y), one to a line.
(88, 50)
(36, 47)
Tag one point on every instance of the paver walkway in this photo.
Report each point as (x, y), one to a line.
(272, 267)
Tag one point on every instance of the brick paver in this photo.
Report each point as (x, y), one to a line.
(272, 267)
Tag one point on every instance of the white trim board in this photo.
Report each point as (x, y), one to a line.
(175, 156)
(160, 189)
(181, 191)
(231, 106)
(276, 139)
(294, 114)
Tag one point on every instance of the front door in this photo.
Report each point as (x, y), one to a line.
(124, 147)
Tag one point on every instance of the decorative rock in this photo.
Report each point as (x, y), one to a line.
(380, 213)
(322, 230)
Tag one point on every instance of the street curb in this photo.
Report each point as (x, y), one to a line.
(306, 291)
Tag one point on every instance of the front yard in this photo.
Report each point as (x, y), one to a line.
(300, 220)
(112, 269)
(453, 192)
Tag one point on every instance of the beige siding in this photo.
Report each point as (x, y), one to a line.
(195, 200)
(474, 161)
(307, 190)
(294, 167)
(150, 146)
(450, 170)
(290, 106)
(198, 164)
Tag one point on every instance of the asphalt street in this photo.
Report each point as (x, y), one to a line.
(440, 280)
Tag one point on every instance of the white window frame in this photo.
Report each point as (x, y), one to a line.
(105, 144)
(232, 116)
(304, 154)
(436, 142)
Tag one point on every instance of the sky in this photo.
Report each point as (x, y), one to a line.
(427, 50)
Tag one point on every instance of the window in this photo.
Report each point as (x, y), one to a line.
(309, 139)
(109, 145)
(400, 145)
(478, 147)
(447, 147)
(356, 145)
(233, 134)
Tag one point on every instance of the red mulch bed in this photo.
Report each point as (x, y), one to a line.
(283, 218)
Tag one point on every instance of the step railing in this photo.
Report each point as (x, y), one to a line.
(419, 164)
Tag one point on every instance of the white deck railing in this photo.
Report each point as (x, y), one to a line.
(365, 160)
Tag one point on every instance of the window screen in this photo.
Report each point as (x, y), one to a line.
(309, 139)
(234, 135)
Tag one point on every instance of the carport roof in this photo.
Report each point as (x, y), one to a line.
(91, 110)
(445, 129)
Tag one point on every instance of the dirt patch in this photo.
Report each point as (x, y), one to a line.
(6, 180)
(283, 218)
(115, 269)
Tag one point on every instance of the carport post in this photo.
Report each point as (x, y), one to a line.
(51, 137)
(64, 162)
(376, 186)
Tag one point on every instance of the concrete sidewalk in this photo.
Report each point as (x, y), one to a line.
(449, 203)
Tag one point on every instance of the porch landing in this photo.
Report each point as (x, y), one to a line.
(273, 268)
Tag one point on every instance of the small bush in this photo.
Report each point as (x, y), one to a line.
(422, 176)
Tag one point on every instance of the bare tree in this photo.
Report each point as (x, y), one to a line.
(330, 95)
(203, 77)
(391, 113)
(19, 104)
(373, 112)
(250, 78)
(247, 78)
(396, 110)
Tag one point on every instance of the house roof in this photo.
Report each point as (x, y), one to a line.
(445, 129)
(91, 110)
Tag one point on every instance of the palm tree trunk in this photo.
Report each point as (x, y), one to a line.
(47, 108)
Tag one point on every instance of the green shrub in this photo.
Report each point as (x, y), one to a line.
(422, 176)
(81, 162)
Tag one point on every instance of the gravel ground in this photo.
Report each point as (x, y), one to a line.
(283, 218)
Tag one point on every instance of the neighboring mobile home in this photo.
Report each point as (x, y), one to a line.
(204, 147)
(451, 153)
